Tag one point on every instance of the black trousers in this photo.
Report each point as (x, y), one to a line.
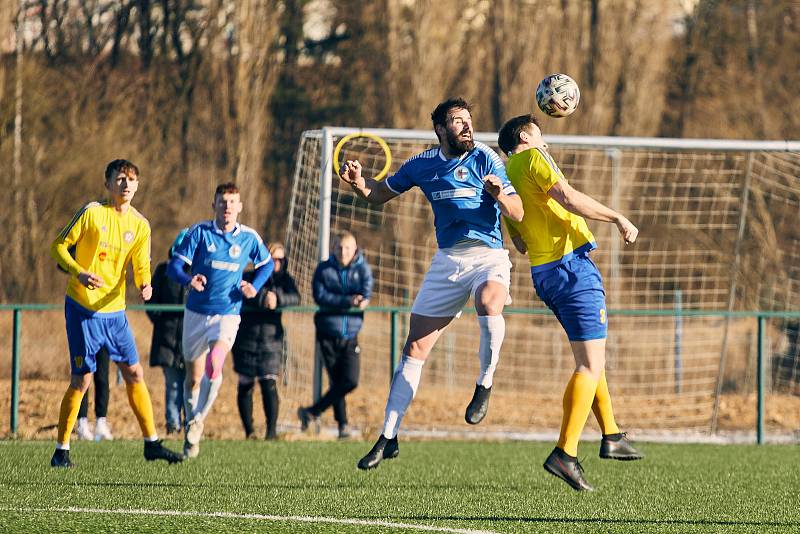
(100, 388)
(342, 361)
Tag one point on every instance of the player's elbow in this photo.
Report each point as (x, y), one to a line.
(569, 200)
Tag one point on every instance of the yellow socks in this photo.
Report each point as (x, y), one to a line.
(139, 399)
(70, 406)
(602, 407)
(578, 399)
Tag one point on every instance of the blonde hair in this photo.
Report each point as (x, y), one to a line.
(276, 246)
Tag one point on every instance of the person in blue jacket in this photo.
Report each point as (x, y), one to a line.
(341, 282)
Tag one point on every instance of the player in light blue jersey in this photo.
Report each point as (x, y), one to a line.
(218, 252)
(466, 185)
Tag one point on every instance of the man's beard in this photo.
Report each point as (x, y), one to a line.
(458, 147)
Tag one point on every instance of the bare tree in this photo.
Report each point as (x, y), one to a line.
(256, 76)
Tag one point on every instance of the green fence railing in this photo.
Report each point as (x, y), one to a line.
(394, 312)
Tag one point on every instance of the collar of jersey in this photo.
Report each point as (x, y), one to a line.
(462, 156)
(236, 228)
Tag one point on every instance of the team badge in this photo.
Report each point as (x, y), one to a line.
(102, 256)
(461, 173)
(235, 251)
(128, 236)
(211, 247)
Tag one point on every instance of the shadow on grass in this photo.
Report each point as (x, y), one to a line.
(302, 485)
(604, 521)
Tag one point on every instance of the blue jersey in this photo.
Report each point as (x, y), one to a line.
(221, 257)
(462, 209)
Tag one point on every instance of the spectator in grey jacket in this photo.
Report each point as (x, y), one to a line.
(341, 282)
(259, 347)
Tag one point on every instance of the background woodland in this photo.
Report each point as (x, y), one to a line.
(197, 92)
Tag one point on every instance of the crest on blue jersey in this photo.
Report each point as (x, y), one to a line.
(235, 251)
(461, 173)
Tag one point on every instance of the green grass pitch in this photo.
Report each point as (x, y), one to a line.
(440, 486)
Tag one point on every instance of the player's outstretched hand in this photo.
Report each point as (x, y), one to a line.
(90, 280)
(198, 283)
(627, 230)
(493, 185)
(351, 173)
(247, 289)
(146, 292)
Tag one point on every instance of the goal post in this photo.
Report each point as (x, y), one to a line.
(718, 233)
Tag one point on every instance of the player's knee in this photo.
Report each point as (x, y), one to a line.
(416, 350)
(80, 382)
(596, 366)
(132, 374)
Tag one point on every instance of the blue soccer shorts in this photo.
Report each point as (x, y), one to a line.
(88, 332)
(574, 292)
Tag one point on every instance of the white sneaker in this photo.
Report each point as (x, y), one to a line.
(102, 430)
(194, 431)
(84, 429)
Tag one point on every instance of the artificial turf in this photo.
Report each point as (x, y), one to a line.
(474, 486)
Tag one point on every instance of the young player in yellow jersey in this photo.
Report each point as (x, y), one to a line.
(105, 237)
(554, 234)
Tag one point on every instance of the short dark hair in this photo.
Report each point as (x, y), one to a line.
(227, 187)
(439, 115)
(508, 138)
(121, 166)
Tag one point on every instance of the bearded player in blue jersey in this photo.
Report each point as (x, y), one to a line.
(217, 251)
(466, 184)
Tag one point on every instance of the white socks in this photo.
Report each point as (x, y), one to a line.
(404, 386)
(209, 389)
(493, 330)
(190, 398)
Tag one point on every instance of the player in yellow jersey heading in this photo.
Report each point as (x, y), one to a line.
(554, 234)
(105, 237)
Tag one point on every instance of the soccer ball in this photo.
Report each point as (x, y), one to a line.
(558, 95)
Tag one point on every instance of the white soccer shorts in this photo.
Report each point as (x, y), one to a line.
(200, 331)
(456, 274)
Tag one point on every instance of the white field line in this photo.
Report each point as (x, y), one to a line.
(262, 517)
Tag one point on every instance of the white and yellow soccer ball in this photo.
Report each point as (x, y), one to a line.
(558, 95)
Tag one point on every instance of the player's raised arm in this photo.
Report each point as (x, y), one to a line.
(372, 191)
(582, 204)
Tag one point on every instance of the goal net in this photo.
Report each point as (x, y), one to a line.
(718, 233)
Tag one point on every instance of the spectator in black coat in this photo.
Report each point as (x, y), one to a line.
(259, 350)
(341, 282)
(166, 350)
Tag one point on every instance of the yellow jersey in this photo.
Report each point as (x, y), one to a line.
(104, 241)
(553, 234)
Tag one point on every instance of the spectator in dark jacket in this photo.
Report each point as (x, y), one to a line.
(341, 282)
(166, 349)
(259, 347)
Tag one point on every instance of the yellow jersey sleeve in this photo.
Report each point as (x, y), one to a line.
(543, 170)
(69, 237)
